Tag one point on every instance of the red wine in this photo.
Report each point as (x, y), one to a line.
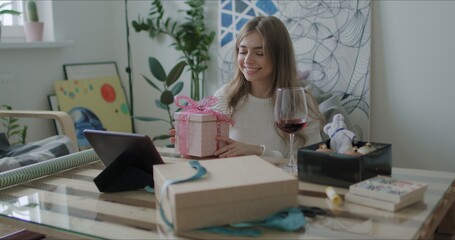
(292, 125)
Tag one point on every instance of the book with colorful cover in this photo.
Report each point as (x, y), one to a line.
(382, 204)
(389, 189)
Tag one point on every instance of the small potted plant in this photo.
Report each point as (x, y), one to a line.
(6, 11)
(32, 26)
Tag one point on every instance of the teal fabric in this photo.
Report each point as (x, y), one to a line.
(149, 189)
(289, 220)
(237, 232)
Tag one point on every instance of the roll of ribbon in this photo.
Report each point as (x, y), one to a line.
(333, 196)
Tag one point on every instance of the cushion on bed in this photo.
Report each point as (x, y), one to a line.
(21, 155)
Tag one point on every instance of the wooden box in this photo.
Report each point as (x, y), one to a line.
(233, 190)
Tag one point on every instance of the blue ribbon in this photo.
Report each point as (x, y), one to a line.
(200, 171)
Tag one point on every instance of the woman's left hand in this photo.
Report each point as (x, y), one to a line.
(234, 148)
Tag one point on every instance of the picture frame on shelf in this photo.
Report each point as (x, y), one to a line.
(76, 71)
(53, 106)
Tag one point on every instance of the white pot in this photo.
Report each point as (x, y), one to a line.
(33, 31)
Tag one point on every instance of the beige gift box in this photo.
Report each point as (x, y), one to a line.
(233, 190)
(202, 130)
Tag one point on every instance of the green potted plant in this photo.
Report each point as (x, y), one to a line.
(3, 11)
(169, 88)
(190, 38)
(33, 28)
(14, 132)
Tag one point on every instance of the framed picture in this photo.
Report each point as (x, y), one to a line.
(94, 103)
(53, 105)
(90, 70)
(94, 96)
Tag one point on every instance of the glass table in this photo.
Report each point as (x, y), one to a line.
(67, 204)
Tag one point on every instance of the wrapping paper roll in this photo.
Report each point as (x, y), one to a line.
(33, 171)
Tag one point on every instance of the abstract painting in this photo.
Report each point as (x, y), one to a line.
(94, 103)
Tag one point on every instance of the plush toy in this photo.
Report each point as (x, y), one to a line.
(340, 138)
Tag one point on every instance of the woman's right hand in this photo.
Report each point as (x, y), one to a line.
(172, 133)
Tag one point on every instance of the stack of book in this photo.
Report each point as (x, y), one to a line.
(386, 193)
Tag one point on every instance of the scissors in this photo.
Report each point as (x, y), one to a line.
(312, 212)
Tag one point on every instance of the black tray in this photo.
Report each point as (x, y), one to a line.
(341, 170)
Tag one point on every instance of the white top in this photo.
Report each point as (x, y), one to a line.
(254, 124)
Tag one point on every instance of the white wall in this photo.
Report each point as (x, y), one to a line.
(411, 77)
(412, 81)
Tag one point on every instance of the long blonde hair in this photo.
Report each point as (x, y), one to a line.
(278, 48)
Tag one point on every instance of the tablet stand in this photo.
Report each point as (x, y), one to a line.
(123, 175)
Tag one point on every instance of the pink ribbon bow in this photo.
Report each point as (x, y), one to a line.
(202, 107)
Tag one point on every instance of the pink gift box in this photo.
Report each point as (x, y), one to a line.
(199, 140)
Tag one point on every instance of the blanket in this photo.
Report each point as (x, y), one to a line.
(15, 156)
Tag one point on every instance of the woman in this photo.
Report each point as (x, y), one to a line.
(265, 62)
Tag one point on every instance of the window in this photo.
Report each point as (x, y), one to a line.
(12, 20)
(12, 29)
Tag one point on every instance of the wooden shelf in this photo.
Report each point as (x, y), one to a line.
(23, 45)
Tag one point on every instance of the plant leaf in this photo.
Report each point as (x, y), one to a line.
(151, 83)
(148, 119)
(23, 135)
(157, 69)
(175, 73)
(177, 88)
(15, 132)
(3, 106)
(12, 12)
(173, 27)
(161, 105)
(161, 137)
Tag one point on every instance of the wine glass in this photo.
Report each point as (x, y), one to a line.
(291, 115)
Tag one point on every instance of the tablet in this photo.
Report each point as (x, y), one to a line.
(110, 145)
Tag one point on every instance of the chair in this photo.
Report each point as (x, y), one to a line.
(63, 119)
(65, 122)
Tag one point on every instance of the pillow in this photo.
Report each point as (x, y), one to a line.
(35, 152)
